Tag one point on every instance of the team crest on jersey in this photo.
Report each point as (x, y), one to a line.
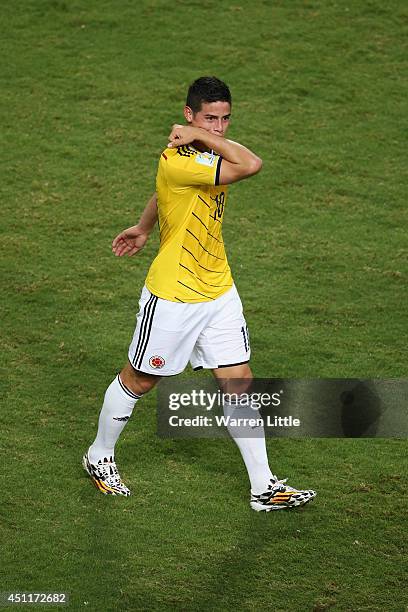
(157, 362)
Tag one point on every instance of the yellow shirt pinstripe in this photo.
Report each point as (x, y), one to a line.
(191, 265)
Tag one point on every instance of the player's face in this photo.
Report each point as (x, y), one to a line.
(213, 117)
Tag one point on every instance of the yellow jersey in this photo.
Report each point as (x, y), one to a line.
(191, 265)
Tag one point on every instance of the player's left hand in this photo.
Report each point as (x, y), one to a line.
(181, 135)
(130, 241)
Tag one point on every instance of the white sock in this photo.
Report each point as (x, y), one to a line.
(116, 411)
(251, 443)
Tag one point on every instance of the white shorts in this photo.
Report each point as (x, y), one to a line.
(170, 334)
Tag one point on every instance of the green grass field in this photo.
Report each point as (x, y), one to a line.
(317, 243)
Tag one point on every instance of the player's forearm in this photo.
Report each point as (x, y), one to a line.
(232, 151)
(149, 216)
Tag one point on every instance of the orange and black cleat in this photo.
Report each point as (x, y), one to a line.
(105, 476)
(279, 496)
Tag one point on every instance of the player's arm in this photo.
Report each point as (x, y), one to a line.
(132, 239)
(238, 162)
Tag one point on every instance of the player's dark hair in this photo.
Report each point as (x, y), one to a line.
(207, 89)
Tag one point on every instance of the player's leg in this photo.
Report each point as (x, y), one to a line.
(162, 343)
(235, 382)
(224, 347)
(267, 491)
(119, 401)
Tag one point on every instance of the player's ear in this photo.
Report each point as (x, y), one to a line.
(188, 114)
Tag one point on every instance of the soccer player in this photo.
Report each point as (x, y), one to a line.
(190, 309)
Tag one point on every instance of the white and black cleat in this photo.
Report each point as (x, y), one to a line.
(279, 496)
(105, 476)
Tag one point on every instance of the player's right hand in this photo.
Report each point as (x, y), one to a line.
(130, 241)
(181, 135)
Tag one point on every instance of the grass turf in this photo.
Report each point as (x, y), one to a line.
(316, 242)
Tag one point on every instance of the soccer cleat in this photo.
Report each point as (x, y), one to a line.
(280, 496)
(105, 476)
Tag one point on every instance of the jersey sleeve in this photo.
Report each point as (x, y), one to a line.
(187, 167)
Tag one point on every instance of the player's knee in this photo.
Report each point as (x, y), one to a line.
(138, 382)
(234, 379)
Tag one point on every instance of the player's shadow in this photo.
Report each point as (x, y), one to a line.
(235, 577)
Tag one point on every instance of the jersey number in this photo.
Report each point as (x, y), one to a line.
(219, 201)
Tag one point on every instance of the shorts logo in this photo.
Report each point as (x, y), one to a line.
(156, 362)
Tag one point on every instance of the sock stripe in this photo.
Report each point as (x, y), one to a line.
(126, 390)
